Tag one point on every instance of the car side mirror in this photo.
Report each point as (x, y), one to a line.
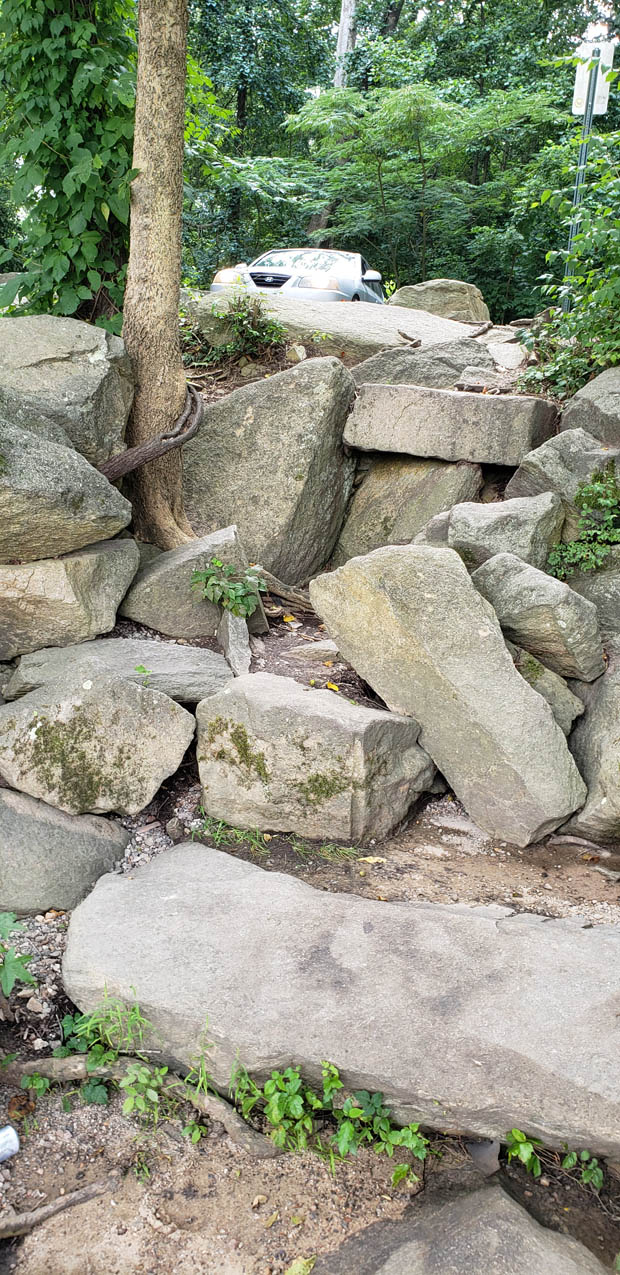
(371, 276)
(241, 265)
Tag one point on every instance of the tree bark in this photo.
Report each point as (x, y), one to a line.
(151, 309)
(346, 40)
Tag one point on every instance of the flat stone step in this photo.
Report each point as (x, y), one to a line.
(469, 1020)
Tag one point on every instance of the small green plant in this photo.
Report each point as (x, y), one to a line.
(40, 1085)
(13, 968)
(598, 501)
(144, 1090)
(221, 833)
(590, 1172)
(253, 330)
(229, 587)
(520, 1146)
(146, 673)
(296, 1112)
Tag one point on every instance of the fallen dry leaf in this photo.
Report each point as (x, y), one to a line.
(270, 1220)
(372, 858)
(258, 1200)
(21, 1105)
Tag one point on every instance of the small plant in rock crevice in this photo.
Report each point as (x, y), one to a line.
(229, 587)
(522, 1146)
(252, 333)
(598, 502)
(13, 968)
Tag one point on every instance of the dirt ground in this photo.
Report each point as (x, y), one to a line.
(211, 1208)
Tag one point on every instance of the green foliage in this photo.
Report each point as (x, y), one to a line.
(13, 968)
(253, 330)
(298, 1115)
(590, 1172)
(598, 501)
(146, 673)
(67, 70)
(221, 833)
(522, 1147)
(144, 1088)
(40, 1085)
(227, 586)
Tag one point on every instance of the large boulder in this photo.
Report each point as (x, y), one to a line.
(278, 755)
(439, 366)
(451, 298)
(66, 375)
(565, 706)
(527, 527)
(53, 501)
(602, 588)
(471, 1002)
(561, 465)
(162, 596)
(544, 615)
(452, 425)
(49, 859)
(397, 498)
(185, 673)
(596, 408)
(411, 623)
(269, 457)
(357, 330)
(57, 601)
(484, 1232)
(595, 744)
(93, 744)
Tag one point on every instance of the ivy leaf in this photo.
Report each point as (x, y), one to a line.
(14, 971)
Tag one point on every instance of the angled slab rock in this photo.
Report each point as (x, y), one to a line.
(595, 744)
(451, 298)
(602, 588)
(527, 527)
(68, 375)
(565, 706)
(93, 744)
(410, 622)
(492, 429)
(162, 596)
(234, 639)
(438, 365)
(484, 1232)
(270, 458)
(52, 500)
(561, 465)
(57, 601)
(397, 498)
(185, 673)
(596, 408)
(277, 755)
(544, 615)
(49, 859)
(472, 1003)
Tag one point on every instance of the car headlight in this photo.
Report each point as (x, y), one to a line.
(230, 275)
(326, 282)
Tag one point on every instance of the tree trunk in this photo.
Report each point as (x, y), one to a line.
(151, 310)
(346, 40)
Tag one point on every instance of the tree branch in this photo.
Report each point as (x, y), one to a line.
(184, 428)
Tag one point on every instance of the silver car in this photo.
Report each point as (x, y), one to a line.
(321, 274)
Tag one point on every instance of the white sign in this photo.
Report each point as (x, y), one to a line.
(601, 99)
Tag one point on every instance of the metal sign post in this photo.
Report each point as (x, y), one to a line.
(589, 99)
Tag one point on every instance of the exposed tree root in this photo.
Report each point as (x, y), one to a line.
(22, 1223)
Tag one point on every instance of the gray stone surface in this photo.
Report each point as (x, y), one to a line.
(436, 531)
(565, 706)
(313, 652)
(398, 497)
(484, 1232)
(277, 755)
(595, 744)
(561, 465)
(356, 330)
(58, 601)
(234, 639)
(410, 622)
(451, 298)
(544, 615)
(493, 429)
(93, 744)
(66, 374)
(473, 1004)
(162, 596)
(602, 588)
(525, 526)
(185, 673)
(439, 365)
(49, 859)
(52, 500)
(269, 457)
(596, 408)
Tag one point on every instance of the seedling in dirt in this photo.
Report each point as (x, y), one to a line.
(40, 1085)
(223, 834)
(145, 1091)
(13, 968)
(228, 586)
(520, 1146)
(590, 1172)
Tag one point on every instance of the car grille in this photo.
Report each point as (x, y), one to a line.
(267, 279)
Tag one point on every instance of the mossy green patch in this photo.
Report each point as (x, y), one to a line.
(320, 787)
(248, 758)
(72, 760)
(529, 667)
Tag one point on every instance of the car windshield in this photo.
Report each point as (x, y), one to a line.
(306, 259)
